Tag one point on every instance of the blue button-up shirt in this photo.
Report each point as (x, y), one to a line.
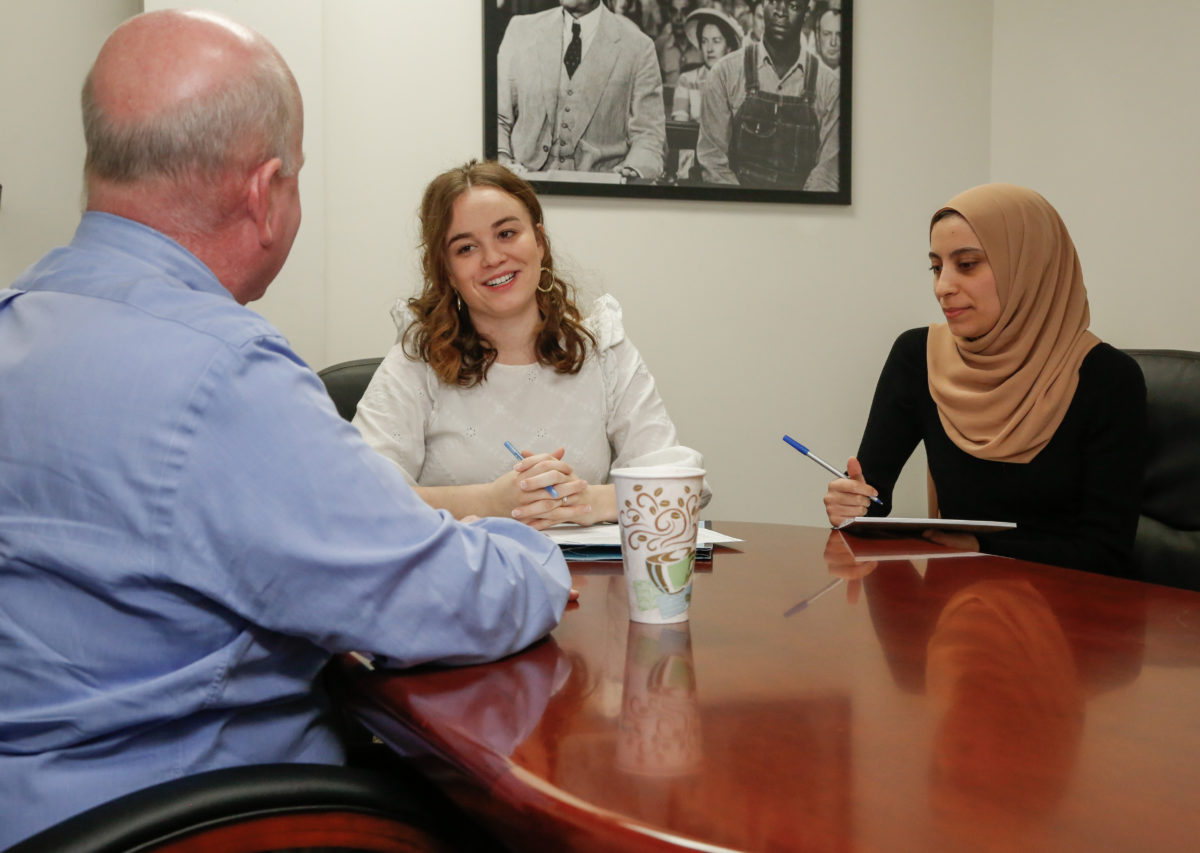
(188, 531)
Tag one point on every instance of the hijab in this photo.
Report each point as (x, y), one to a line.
(1002, 396)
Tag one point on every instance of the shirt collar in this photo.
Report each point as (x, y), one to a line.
(588, 25)
(764, 58)
(143, 243)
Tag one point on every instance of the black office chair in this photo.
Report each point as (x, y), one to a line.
(260, 808)
(346, 382)
(1167, 549)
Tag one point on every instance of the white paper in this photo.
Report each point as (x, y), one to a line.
(881, 522)
(610, 534)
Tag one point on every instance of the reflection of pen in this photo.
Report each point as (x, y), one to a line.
(803, 604)
(815, 458)
(509, 446)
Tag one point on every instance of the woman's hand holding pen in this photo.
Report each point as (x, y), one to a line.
(850, 497)
(522, 492)
(600, 502)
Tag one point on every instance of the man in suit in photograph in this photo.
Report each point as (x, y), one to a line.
(579, 89)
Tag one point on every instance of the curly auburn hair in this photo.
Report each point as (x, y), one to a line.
(442, 334)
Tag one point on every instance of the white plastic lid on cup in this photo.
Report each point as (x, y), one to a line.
(660, 472)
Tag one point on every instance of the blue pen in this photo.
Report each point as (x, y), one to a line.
(815, 458)
(509, 446)
(803, 604)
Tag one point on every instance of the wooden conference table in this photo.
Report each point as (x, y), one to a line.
(951, 703)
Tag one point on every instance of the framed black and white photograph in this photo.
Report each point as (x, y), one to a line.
(723, 100)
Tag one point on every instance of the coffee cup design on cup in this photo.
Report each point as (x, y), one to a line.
(664, 530)
(670, 571)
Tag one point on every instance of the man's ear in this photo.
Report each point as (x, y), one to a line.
(261, 199)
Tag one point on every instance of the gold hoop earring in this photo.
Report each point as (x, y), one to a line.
(458, 296)
(549, 270)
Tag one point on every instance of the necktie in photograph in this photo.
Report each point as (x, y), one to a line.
(574, 52)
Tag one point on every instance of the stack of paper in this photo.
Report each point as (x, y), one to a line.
(911, 526)
(603, 541)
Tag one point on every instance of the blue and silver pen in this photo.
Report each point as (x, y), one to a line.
(815, 458)
(803, 604)
(509, 447)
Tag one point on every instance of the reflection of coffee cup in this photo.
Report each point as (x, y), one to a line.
(659, 511)
(671, 571)
(659, 732)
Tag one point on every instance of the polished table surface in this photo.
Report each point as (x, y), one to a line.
(818, 702)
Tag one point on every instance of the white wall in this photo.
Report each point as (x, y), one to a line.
(42, 66)
(756, 319)
(1094, 104)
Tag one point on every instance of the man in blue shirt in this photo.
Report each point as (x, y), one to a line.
(188, 531)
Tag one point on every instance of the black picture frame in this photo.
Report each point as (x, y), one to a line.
(693, 185)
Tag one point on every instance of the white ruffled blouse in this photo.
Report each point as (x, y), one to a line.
(608, 415)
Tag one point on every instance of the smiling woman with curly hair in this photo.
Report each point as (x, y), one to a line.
(494, 349)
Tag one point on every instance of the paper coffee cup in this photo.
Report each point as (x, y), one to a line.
(658, 509)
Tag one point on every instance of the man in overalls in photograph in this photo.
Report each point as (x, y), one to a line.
(770, 112)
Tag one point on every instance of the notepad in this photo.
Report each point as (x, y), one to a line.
(603, 541)
(882, 524)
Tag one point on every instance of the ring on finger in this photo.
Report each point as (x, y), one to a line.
(564, 501)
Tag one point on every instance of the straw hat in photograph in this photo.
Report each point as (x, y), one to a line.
(729, 27)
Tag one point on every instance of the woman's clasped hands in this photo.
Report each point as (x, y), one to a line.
(522, 493)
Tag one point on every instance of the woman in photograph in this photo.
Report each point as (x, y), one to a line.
(1026, 416)
(494, 350)
(714, 34)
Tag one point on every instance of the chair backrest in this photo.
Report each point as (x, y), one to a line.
(250, 810)
(346, 382)
(1167, 549)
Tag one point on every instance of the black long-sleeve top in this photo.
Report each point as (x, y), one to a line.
(1075, 503)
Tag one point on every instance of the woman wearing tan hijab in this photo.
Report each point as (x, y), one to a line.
(1026, 415)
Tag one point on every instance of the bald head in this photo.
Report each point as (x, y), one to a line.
(176, 94)
(154, 62)
(193, 126)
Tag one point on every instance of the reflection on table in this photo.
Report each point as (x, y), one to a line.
(942, 703)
